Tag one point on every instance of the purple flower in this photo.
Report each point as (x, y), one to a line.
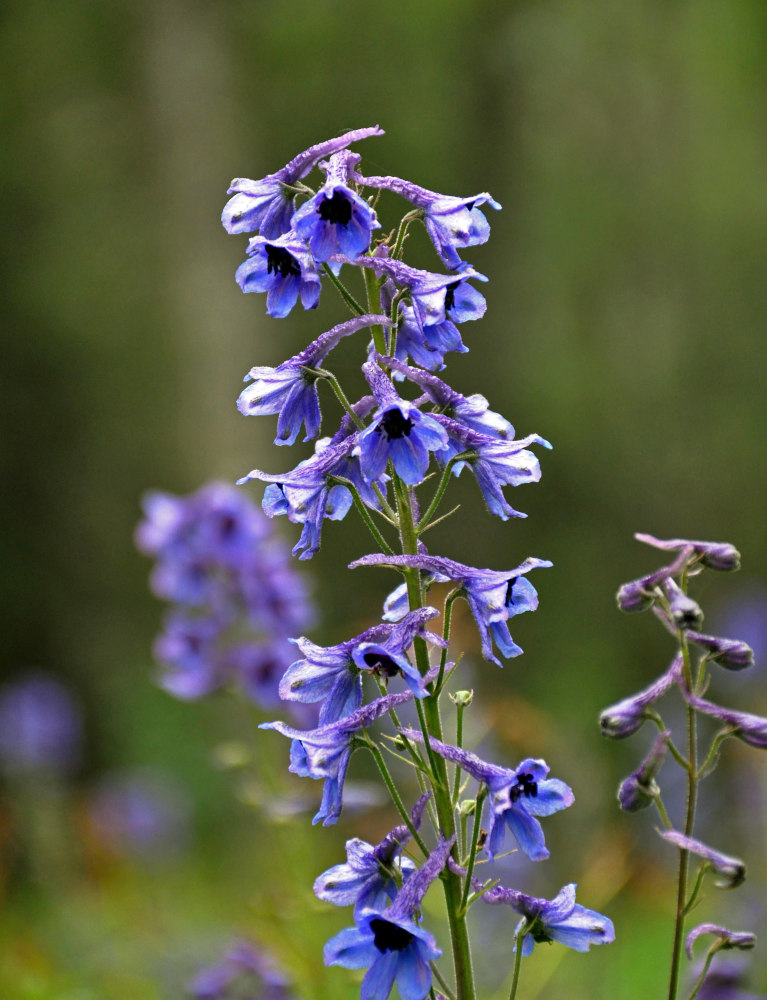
(325, 752)
(744, 940)
(284, 269)
(625, 717)
(291, 388)
(494, 596)
(732, 870)
(40, 726)
(560, 919)
(336, 220)
(268, 205)
(640, 789)
(246, 966)
(730, 653)
(189, 649)
(389, 943)
(685, 612)
(516, 797)
(369, 879)
(306, 494)
(638, 595)
(752, 729)
(450, 222)
(398, 431)
(715, 555)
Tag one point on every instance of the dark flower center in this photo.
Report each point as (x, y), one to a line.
(281, 261)
(337, 209)
(381, 663)
(526, 785)
(450, 295)
(389, 937)
(394, 425)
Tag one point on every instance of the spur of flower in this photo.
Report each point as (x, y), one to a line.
(390, 943)
(451, 222)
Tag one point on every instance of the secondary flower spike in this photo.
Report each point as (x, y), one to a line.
(268, 205)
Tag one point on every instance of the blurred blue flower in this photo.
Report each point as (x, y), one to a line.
(40, 726)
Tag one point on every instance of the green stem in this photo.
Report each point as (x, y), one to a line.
(441, 980)
(446, 625)
(684, 856)
(424, 522)
(432, 725)
(519, 938)
(473, 851)
(704, 971)
(364, 513)
(344, 292)
(662, 811)
(402, 232)
(373, 290)
(339, 393)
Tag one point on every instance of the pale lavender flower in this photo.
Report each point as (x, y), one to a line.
(749, 728)
(732, 870)
(744, 940)
(243, 966)
(715, 555)
(640, 789)
(625, 717)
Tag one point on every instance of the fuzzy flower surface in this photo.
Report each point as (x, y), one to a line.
(268, 204)
(389, 943)
(494, 596)
(517, 796)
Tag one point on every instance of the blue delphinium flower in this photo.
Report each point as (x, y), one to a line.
(369, 878)
(389, 943)
(398, 431)
(560, 919)
(268, 205)
(426, 345)
(290, 389)
(306, 495)
(282, 267)
(517, 796)
(494, 596)
(336, 220)
(450, 222)
(333, 674)
(325, 752)
(436, 298)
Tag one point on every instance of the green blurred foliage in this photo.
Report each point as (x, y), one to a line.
(625, 323)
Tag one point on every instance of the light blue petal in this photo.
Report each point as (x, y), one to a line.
(527, 831)
(379, 978)
(413, 974)
(350, 949)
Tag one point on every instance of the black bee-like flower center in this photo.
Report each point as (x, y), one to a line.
(526, 785)
(281, 261)
(450, 295)
(394, 425)
(389, 937)
(337, 209)
(381, 663)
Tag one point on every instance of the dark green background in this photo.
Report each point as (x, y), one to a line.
(625, 323)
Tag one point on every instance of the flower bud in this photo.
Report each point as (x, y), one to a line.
(462, 699)
(640, 789)
(733, 654)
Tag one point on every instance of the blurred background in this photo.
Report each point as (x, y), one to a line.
(625, 323)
